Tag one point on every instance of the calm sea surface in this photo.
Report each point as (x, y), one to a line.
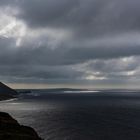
(79, 115)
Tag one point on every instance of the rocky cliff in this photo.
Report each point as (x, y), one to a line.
(10, 129)
(6, 92)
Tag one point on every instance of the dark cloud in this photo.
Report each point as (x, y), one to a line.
(63, 55)
(40, 72)
(44, 12)
(85, 18)
(114, 65)
(9, 3)
(70, 40)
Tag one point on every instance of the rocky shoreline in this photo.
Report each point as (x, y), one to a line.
(6, 92)
(10, 129)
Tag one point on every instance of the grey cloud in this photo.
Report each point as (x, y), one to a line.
(103, 32)
(9, 3)
(40, 72)
(46, 12)
(63, 54)
(114, 65)
(85, 18)
(116, 69)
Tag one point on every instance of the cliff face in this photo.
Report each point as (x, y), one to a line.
(6, 92)
(10, 129)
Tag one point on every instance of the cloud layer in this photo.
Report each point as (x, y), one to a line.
(77, 41)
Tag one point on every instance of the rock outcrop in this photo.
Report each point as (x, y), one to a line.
(6, 92)
(10, 129)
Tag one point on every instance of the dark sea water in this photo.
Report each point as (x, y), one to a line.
(64, 114)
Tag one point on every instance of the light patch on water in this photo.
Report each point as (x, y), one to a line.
(85, 91)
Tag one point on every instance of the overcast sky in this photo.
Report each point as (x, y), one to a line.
(70, 43)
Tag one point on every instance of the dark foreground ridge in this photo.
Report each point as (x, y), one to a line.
(10, 129)
(6, 92)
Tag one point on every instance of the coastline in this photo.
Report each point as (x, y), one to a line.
(8, 100)
(10, 129)
(4, 97)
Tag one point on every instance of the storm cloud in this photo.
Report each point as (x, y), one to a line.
(68, 41)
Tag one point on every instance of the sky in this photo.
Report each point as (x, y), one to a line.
(70, 43)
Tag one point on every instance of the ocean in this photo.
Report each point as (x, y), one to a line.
(68, 114)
